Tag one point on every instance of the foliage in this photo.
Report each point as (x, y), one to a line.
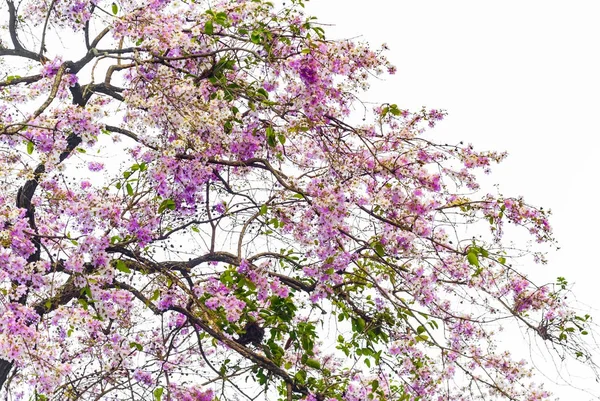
(198, 218)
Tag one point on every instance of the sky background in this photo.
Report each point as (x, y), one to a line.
(516, 76)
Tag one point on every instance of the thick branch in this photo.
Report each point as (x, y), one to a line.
(5, 368)
(110, 90)
(67, 292)
(19, 53)
(86, 29)
(19, 50)
(12, 25)
(53, 92)
(73, 67)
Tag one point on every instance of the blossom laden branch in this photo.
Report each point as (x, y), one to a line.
(207, 213)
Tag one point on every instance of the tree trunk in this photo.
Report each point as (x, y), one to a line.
(5, 367)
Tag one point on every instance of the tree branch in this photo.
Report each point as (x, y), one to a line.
(42, 42)
(15, 81)
(242, 350)
(12, 25)
(19, 50)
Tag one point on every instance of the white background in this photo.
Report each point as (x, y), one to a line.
(521, 76)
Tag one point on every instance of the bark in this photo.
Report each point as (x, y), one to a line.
(5, 368)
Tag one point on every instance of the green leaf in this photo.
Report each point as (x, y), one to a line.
(83, 303)
(379, 249)
(300, 376)
(122, 267)
(263, 209)
(433, 324)
(472, 258)
(502, 260)
(115, 8)
(209, 28)
(135, 345)
(129, 189)
(86, 291)
(166, 204)
(358, 324)
(394, 110)
(256, 37)
(263, 93)
(421, 337)
(271, 137)
(313, 363)
(221, 18)
(158, 393)
(30, 146)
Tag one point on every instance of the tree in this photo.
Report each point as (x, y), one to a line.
(198, 217)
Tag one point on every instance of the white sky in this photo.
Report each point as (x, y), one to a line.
(521, 76)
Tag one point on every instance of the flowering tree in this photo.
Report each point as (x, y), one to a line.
(188, 213)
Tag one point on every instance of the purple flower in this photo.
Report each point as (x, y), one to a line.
(51, 68)
(243, 267)
(95, 166)
(308, 75)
